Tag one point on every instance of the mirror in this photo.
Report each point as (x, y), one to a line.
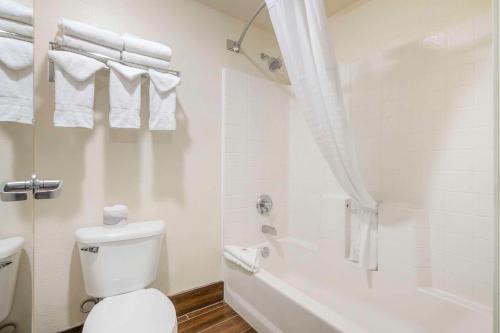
(16, 149)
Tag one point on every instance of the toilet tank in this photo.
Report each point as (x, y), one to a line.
(119, 259)
(10, 253)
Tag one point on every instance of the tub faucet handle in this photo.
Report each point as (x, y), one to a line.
(264, 204)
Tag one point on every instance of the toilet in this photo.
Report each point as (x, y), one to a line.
(10, 253)
(118, 264)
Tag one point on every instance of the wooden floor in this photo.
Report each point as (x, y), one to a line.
(215, 318)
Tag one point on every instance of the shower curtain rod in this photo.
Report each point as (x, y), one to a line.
(235, 46)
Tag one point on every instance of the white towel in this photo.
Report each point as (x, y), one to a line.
(146, 47)
(124, 95)
(81, 44)
(16, 27)
(140, 59)
(113, 215)
(16, 81)
(90, 33)
(247, 258)
(14, 11)
(363, 238)
(162, 100)
(74, 77)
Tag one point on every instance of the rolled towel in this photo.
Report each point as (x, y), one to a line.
(90, 33)
(14, 11)
(139, 59)
(162, 100)
(124, 95)
(116, 214)
(146, 47)
(81, 44)
(16, 81)
(74, 81)
(16, 27)
(247, 258)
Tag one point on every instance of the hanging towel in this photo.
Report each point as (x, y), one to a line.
(363, 237)
(81, 44)
(162, 100)
(146, 47)
(74, 77)
(142, 60)
(16, 27)
(247, 258)
(16, 81)
(90, 33)
(124, 95)
(14, 11)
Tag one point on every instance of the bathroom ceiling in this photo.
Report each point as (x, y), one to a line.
(244, 9)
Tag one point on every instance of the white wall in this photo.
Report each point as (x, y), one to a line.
(255, 156)
(172, 176)
(417, 79)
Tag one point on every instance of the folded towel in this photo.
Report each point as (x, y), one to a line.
(16, 81)
(113, 215)
(162, 100)
(14, 11)
(124, 95)
(16, 27)
(90, 33)
(139, 59)
(81, 44)
(146, 47)
(247, 258)
(74, 77)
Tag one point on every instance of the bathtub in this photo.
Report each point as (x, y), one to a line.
(296, 292)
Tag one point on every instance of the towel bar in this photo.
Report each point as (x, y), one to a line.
(101, 58)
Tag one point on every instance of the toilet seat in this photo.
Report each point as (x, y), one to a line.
(145, 310)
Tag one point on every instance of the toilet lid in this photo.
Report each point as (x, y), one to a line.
(145, 310)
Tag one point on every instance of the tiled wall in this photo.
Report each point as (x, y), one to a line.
(423, 118)
(255, 156)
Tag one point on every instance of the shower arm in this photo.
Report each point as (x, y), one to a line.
(235, 46)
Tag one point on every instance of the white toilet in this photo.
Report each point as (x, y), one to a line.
(10, 253)
(118, 263)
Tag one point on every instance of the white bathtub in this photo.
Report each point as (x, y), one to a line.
(296, 292)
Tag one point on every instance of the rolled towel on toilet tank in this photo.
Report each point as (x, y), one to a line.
(116, 214)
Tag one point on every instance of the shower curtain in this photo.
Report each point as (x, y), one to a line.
(303, 36)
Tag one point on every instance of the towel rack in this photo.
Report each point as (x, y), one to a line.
(101, 58)
(7, 34)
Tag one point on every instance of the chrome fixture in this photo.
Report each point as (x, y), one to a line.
(264, 204)
(273, 63)
(235, 46)
(265, 252)
(269, 229)
(41, 189)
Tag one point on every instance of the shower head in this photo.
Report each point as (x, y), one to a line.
(273, 63)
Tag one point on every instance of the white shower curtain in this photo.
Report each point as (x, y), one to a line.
(305, 43)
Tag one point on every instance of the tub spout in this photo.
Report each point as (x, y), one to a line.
(269, 229)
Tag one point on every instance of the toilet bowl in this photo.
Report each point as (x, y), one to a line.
(118, 263)
(146, 310)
